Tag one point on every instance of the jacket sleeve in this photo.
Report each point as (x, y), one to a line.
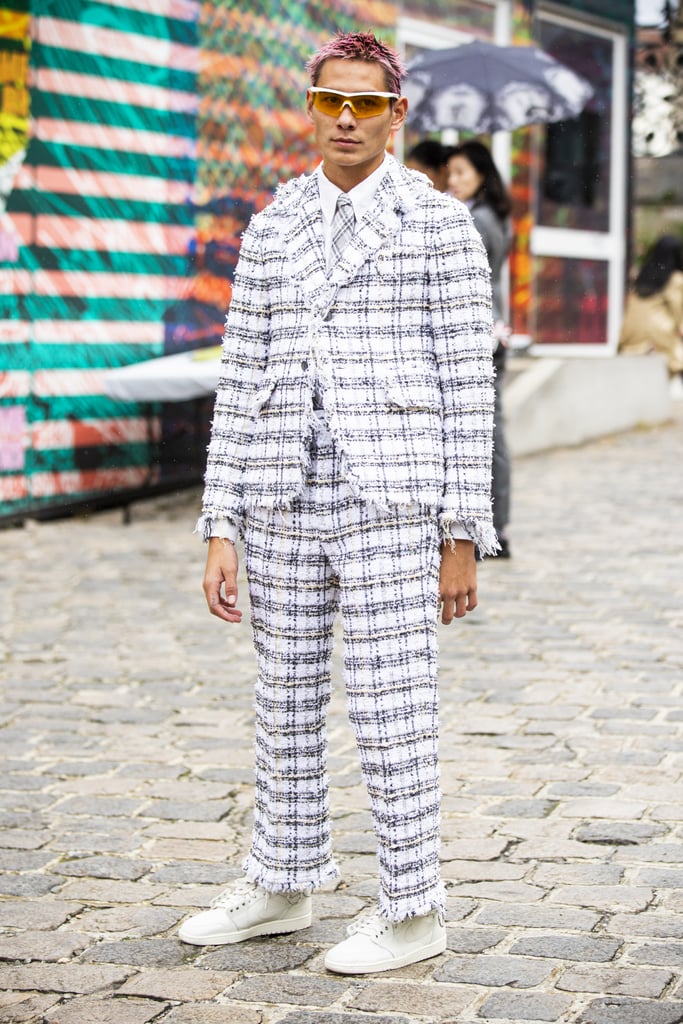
(460, 309)
(244, 357)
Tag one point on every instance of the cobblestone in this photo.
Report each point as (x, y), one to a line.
(127, 736)
(618, 981)
(212, 1013)
(567, 947)
(41, 945)
(290, 988)
(631, 1011)
(184, 986)
(523, 1006)
(493, 971)
(436, 1002)
(24, 1008)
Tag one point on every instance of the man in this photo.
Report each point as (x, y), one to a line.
(351, 448)
(431, 158)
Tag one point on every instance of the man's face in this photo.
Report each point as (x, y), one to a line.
(351, 147)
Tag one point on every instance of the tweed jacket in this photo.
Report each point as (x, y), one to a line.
(398, 336)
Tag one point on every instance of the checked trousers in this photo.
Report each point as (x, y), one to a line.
(333, 552)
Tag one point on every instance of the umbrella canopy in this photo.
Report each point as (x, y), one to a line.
(481, 87)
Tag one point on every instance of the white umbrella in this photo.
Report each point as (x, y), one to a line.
(481, 87)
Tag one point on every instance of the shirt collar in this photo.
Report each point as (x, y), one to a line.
(361, 195)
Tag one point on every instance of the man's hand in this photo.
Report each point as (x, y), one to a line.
(457, 580)
(221, 572)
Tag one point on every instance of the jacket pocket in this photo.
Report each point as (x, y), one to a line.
(395, 262)
(262, 394)
(411, 395)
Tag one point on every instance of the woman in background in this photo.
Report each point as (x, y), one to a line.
(653, 321)
(474, 179)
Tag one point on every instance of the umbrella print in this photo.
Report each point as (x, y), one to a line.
(481, 87)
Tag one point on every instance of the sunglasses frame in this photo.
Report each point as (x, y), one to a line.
(348, 98)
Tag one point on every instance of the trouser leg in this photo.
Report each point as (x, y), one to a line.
(388, 570)
(387, 567)
(293, 602)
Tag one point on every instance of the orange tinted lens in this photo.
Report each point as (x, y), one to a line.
(328, 102)
(366, 105)
(369, 106)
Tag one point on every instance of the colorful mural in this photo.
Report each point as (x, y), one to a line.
(251, 127)
(15, 45)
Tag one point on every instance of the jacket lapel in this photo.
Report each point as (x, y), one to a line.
(303, 234)
(302, 230)
(383, 220)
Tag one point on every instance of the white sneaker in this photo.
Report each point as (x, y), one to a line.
(375, 944)
(245, 910)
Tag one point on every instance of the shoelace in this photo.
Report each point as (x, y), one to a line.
(240, 893)
(372, 925)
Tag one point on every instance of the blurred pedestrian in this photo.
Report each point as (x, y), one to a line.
(351, 448)
(653, 319)
(474, 179)
(431, 158)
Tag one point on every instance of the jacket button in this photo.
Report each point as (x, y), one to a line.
(304, 364)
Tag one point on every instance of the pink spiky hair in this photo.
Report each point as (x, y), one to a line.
(360, 46)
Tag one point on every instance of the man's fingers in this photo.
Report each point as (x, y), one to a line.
(224, 607)
(458, 606)
(220, 580)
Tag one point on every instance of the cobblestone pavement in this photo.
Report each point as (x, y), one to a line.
(125, 793)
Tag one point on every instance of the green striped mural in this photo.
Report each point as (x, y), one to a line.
(99, 233)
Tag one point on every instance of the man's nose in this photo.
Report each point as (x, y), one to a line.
(346, 116)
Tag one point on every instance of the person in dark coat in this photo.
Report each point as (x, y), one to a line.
(474, 179)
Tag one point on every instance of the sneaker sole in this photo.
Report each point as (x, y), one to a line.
(425, 953)
(293, 924)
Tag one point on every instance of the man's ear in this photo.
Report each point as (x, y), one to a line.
(309, 106)
(398, 113)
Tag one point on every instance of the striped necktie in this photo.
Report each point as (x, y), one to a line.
(343, 225)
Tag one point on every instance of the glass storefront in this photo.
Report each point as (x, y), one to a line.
(574, 172)
(578, 239)
(571, 300)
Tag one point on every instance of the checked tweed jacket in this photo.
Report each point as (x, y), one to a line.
(398, 336)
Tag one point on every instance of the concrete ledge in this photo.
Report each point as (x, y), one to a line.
(551, 403)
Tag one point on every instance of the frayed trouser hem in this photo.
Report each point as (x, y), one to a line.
(273, 882)
(405, 908)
